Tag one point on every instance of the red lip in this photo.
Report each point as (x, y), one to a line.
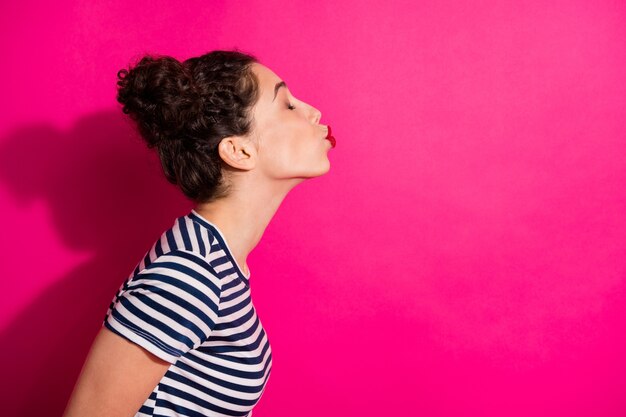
(330, 137)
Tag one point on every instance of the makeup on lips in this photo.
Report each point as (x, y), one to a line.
(330, 137)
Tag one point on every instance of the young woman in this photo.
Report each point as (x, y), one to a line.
(181, 336)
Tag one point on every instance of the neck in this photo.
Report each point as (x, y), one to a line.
(244, 214)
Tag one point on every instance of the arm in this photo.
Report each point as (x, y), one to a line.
(167, 309)
(116, 379)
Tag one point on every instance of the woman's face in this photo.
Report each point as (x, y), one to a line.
(290, 141)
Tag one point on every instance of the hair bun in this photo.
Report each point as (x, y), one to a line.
(185, 109)
(156, 93)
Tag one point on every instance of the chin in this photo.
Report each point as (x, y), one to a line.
(320, 170)
(323, 169)
(327, 168)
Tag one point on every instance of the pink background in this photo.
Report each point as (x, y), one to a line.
(464, 256)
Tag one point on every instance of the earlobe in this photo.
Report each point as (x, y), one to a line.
(236, 152)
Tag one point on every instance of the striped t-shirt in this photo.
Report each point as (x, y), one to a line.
(189, 303)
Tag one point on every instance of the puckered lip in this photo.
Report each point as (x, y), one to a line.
(330, 137)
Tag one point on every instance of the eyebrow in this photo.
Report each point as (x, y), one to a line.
(276, 87)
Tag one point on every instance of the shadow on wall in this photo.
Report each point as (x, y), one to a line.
(107, 195)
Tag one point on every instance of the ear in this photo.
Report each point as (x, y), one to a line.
(238, 152)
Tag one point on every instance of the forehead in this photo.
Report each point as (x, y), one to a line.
(267, 80)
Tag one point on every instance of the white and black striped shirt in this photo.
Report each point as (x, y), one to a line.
(189, 303)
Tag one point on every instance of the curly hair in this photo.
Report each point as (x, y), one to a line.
(185, 109)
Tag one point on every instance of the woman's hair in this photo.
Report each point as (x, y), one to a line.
(185, 109)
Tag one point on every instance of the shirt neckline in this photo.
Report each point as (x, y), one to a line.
(222, 240)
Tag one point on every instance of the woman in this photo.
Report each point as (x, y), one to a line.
(181, 336)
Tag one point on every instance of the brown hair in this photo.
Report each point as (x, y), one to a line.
(185, 109)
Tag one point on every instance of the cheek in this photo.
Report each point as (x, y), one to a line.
(287, 139)
(287, 145)
(276, 150)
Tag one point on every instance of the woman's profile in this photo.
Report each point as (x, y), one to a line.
(181, 335)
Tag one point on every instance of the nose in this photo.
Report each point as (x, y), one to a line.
(316, 115)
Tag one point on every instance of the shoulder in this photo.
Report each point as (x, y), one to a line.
(170, 306)
(183, 265)
(187, 234)
(183, 236)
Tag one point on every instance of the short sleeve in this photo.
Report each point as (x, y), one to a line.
(169, 307)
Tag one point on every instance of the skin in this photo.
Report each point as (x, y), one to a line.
(286, 146)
